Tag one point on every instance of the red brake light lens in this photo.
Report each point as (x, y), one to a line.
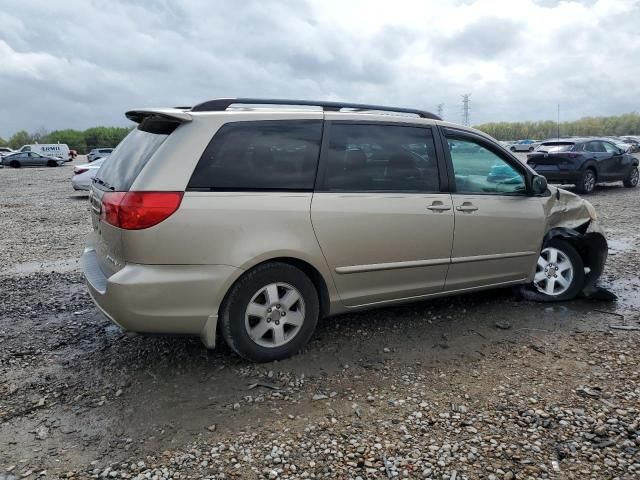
(78, 171)
(138, 210)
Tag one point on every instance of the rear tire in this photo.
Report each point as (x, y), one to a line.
(587, 182)
(631, 180)
(513, 149)
(559, 272)
(260, 319)
(530, 149)
(15, 164)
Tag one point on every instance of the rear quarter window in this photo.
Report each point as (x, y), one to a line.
(280, 155)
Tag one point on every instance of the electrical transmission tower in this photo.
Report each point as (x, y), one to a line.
(440, 109)
(465, 109)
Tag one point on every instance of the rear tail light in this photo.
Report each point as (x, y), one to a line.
(78, 171)
(138, 210)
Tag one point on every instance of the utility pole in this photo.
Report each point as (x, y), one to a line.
(558, 121)
(440, 109)
(465, 109)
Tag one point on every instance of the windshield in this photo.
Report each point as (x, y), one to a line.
(128, 159)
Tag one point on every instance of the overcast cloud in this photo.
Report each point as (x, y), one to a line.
(79, 63)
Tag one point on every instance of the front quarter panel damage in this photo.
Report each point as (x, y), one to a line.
(574, 219)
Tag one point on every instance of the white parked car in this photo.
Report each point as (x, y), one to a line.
(83, 175)
(523, 146)
(97, 153)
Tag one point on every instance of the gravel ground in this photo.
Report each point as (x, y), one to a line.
(479, 386)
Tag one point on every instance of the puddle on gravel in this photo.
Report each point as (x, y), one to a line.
(58, 266)
(621, 245)
(628, 291)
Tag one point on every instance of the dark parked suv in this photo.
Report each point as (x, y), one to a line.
(584, 162)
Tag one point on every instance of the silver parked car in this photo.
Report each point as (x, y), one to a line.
(31, 159)
(97, 153)
(259, 222)
(524, 146)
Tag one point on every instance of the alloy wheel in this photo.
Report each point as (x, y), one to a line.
(274, 315)
(589, 181)
(634, 177)
(554, 272)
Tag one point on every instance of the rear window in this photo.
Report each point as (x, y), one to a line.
(264, 155)
(129, 158)
(555, 147)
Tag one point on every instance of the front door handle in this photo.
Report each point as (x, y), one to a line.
(466, 207)
(439, 207)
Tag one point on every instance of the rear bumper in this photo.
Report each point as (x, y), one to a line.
(169, 299)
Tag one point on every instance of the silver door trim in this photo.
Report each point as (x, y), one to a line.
(375, 267)
(495, 256)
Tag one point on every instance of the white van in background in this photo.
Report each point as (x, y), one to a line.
(60, 150)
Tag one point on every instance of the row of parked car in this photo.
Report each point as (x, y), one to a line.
(50, 155)
(583, 162)
(629, 144)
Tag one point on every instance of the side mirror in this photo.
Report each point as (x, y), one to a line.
(538, 185)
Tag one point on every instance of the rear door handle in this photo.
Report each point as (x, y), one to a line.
(439, 207)
(466, 208)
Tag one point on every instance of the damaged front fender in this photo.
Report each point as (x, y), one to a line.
(574, 219)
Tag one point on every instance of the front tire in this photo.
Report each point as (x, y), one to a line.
(631, 180)
(559, 272)
(587, 182)
(52, 163)
(513, 149)
(270, 313)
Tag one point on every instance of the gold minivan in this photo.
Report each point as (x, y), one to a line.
(259, 217)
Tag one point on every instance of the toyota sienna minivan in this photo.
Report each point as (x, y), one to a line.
(256, 218)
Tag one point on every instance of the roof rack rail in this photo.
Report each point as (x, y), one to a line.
(221, 104)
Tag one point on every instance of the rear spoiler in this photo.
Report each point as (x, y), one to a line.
(140, 114)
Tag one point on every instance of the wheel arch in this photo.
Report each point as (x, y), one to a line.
(305, 266)
(630, 161)
(593, 165)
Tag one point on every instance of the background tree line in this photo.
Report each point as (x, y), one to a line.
(626, 124)
(81, 141)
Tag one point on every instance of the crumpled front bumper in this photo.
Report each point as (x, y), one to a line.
(573, 218)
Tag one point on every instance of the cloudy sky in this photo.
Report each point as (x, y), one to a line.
(80, 63)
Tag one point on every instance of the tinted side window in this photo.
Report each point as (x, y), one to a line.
(609, 147)
(596, 147)
(381, 158)
(263, 155)
(480, 171)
